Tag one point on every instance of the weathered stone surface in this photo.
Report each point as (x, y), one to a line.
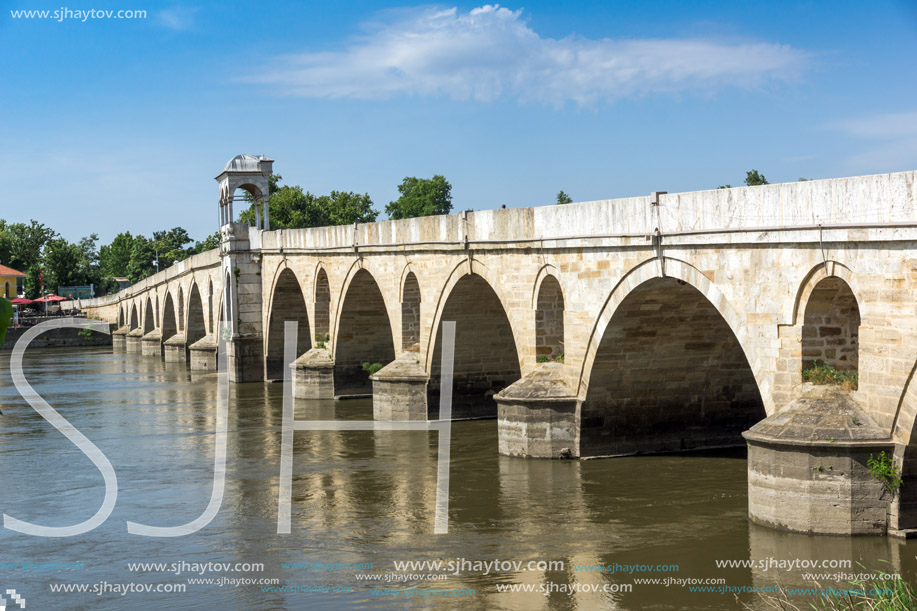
(174, 349)
(807, 467)
(151, 344)
(203, 354)
(313, 375)
(537, 415)
(400, 390)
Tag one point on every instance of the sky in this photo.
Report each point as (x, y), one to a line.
(111, 125)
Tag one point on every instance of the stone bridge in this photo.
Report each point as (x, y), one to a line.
(668, 322)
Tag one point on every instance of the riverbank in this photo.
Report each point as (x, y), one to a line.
(59, 338)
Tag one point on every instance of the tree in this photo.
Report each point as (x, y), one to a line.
(170, 245)
(141, 262)
(26, 243)
(61, 263)
(421, 197)
(753, 178)
(293, 208)
(114, 258)
(342, 208)
(563, 198)
(209, 243)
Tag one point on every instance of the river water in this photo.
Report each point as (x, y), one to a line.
(364, 498)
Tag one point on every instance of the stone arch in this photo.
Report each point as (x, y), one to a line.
(363, 333)
(410, 313)
(668, 374)
(795, 310)
(790, 361)
(149, 322)
(904, 433)
(831, 326)
(134, 323)
(195, 329)
(678, 270)
(486, 356)
(549, 319)
(322, 300)
(287, 304)
(465, 268)
(169, 326)
(120, 316)
(181, 308)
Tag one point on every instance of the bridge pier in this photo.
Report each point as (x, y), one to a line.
(537, 415)
(119, 339)
(400, 390)
(807, 467)
(313, 375)
(174, 349)
(133, 340)
(151, 344)
(203, 354)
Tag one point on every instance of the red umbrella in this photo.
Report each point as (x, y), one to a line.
(20, 301)
(51, 298)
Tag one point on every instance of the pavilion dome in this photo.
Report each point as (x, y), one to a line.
(245, 163)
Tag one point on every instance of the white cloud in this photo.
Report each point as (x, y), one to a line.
(177, 18)
(891, 126)
(491, 53)
(896, 134)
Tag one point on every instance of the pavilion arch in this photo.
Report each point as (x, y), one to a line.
(195, 327)
(287, 304)
(684, 272)
(322, 299)
(668, 374)
(549, 316)
(149, 321)
(410, 312)
(169, 325)
(210, 304)
(486, 355)
(227, 311)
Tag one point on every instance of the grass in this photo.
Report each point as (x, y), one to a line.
(372, 368)
(892, 594)
(885, 470)
(321, 341)
(85, 334)
(825, 373)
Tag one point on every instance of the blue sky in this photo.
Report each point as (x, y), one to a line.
(121, 124)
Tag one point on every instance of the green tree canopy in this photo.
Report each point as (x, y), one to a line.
(563, 198)
(170, 245)
(753, 178)
(209, 243)
(141, 262)
(115, 258)
(293, 208)
(421, 197)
